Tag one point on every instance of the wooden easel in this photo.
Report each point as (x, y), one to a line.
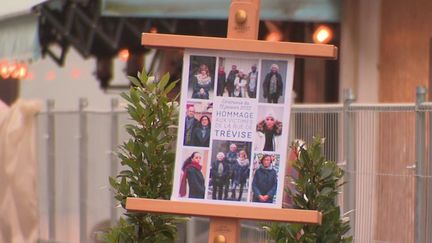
(242, 37)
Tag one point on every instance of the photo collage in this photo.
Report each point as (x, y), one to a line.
(233, 128)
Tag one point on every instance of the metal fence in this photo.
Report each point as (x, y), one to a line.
(384, 149)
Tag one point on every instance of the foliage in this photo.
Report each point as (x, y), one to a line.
(316, 188)
(147, 159)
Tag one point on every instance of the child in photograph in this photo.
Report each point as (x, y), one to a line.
(193, 176)
(269, 131)
(273, 85)
(252, 81)
(240, 84)
(219, 174)
(264, 183)
(241, 174)
(202, 83)
(201, 132)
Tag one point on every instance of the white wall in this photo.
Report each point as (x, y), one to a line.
(67, 84)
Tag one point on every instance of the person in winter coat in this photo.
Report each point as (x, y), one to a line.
(221, 81)
(201, 133)
(230, 80)
(264, 183)
(190, 123)
(273, 85)
(231, 157)
(219, 174)
(202, 83)
(240, 85)
(193, 176)
(240, 176)
(268, 134)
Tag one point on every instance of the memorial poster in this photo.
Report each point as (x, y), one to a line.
(233, 128)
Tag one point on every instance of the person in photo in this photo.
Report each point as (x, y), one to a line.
(230, 80)
(221, 81)
(219, 174)
(193, 177)
(264, 182)
(252, 81)
(201, 132)
(190, 123)
(240, 176)
(231, 157)
(273, 85)
(202, 83)
(240, 84)
(269, 132)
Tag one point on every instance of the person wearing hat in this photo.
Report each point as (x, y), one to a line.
(252, 81)
(264, 182)
(272, 85)
(268, 133)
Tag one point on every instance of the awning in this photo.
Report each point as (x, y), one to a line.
(286, 10)
(19, 39)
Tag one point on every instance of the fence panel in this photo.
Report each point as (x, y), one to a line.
(383, 155)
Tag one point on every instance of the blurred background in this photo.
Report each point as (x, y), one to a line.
(73, 56)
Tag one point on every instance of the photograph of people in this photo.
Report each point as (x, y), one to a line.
(273, 74)
(235, 172)
(240, 175)
(221, 80)
(264, 182)
(190, 123)
(201, 76)
(201, 132)
(252, 81)
(269, 129)
(219, 174)
(237, 80)
(192, 176)
(202, 83)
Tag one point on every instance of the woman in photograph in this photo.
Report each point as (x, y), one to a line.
(240, 175)
(273, 85)
(201, 132)
(264, 183)
(240, 84)
(268, 133)
(202, 83)
(193, 176)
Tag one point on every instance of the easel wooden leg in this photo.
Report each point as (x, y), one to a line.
(224, 230)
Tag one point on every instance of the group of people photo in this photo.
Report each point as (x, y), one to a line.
(226, 169)
(230, 176)
(237, 78)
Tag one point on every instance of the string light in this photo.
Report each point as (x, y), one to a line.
(123, 55)
(322, 35)
(13, 70)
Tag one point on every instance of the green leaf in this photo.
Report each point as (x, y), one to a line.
(164, 81)
(135, 81)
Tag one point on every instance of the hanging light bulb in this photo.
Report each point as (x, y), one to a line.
(323, 34)
(123, 55)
